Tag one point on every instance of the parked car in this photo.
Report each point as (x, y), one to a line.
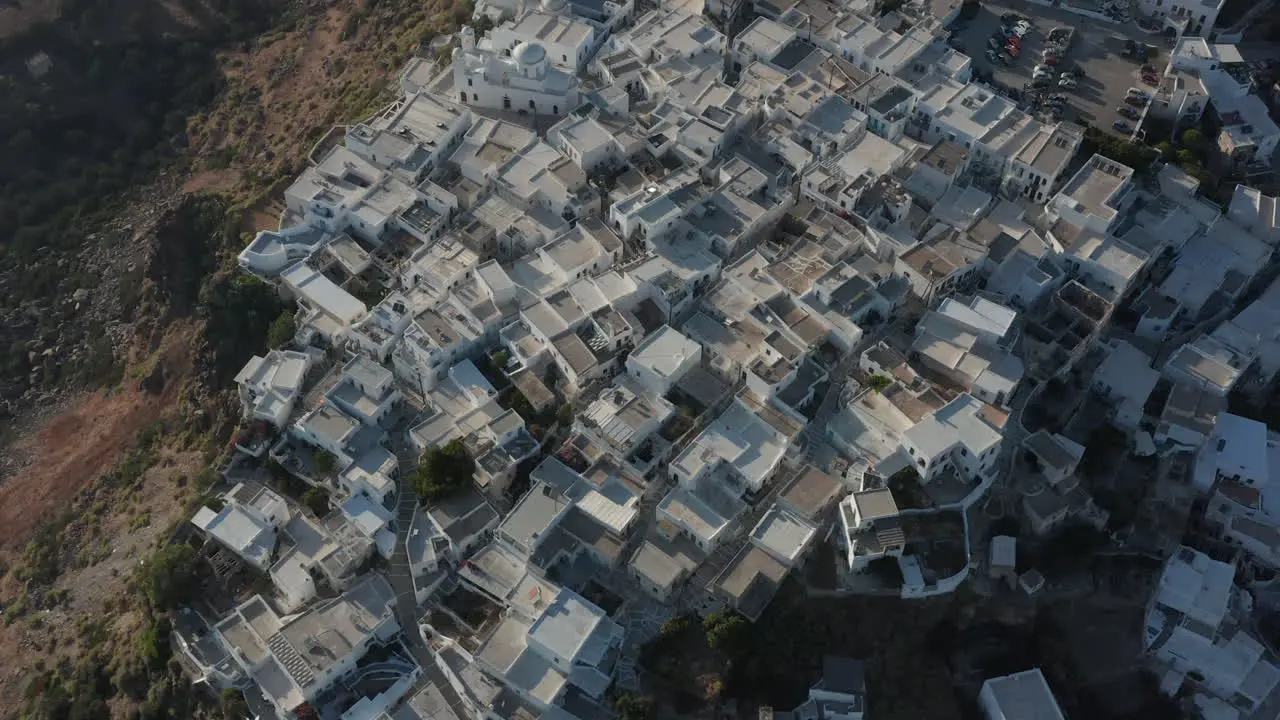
(1014, 40)
(1135, 92)
(1136, 100)
(1013, 50)
(1039, 82)
(1122, 126)
(1051, 61)
(1067, 82)
(1152, 80)
(1126, 111)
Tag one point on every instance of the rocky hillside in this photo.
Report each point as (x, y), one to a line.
(145, 142)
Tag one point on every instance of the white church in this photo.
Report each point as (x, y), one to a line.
(523, 82)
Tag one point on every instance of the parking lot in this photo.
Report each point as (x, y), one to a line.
(1097, 49)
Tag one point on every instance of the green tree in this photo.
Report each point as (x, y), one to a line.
(499, 360)
(878, 383)
(326, 463)
(1193, 140)
(483, 25)
(633, 707)
(233, 705)
(171, 577)
(444, 471)
(564, 415)
(282, 330)
(1167, 151)
(154, 643)
(317, 501)
(727, 632)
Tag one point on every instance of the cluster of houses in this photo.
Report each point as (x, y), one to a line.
(796, 289)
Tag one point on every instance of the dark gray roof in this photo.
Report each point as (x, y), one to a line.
(843, 675)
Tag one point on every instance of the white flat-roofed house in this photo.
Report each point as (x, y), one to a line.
(1095, 195)
(434, 341)
(323, 195)
(672, 278)
(1125, 379)
(541, 177)
(652, 211)
(413, 138)
(589, 144)
(870, 528)
(1208, 364)
(372, 520)
(269, 386)
(664, 357)
(1020, 696)
(247, 524)
(741, 441)
(963, 435)
(624, 417)
(1238, 451)
(969, 344)
(1189, 416)
(1104, 263)
(1038, 169)
(372, 473)
(663, 34)
(330, 429)
(580, 640)
(1256, 212)
(570, 44)
(784, 534)
(524, 81)
(945, 260)
(1217, 264)
(1192, 18)
(294, 659)
(365, 391)
(320, 296)
(378, 332)
(1190, 632)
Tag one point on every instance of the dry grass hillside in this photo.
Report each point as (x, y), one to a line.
(289, 87)
(102, 483)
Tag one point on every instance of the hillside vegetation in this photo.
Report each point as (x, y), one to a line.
(145, 141)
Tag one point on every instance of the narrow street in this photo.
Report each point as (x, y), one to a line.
(401, 578)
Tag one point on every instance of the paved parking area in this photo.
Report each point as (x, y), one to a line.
(1097, 49)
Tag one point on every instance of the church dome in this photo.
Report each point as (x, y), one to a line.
(528, 53)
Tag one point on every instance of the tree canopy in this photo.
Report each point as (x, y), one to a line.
(726, 632)
(444, 471)
(171, 577)
(282, 330)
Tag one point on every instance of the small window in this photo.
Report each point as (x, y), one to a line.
(475, 97)
(470, 82)
(564, 58)
(964, 452)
